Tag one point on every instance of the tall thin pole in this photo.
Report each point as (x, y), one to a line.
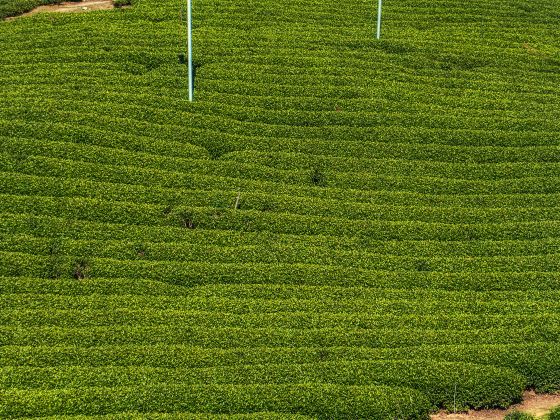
(379, 20)
(189, 30)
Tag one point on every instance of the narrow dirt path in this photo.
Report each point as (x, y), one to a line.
(533, 403)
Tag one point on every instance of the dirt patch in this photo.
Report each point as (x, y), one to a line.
(530, 49)
(539, 404)
(70, 7)
(533, 403)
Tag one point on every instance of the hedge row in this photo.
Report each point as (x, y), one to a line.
(139, 121)
(111, 75)
(227, 174)
(188, 217)
(139, 244)
(410, 102)
(449, 385)
(306, 30)
(271, 254)
(319, 400)
(493, 171)
(10, 8)
(367, 119)
(57, 227)
(437, 56)
(403, 96)
(226, 135)
(35, 293)
(198, 241)
(403, 60)
(207, 112)
(275, 165)
(225, 337)
(305, 184)
(22, 148)
(18, 188)
(63, 132)
(538, 362)
(292, 317)
(403, 80)
(135, 415)
(15, 225)
(192, 274)
(42, 192)
(240, 301)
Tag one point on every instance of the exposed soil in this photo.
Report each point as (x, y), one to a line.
(530, 49)
(70, 7)
(533, 403)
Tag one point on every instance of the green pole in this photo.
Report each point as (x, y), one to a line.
(190, 61)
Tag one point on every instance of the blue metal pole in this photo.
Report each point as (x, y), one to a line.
(189, 19)
(379, 20)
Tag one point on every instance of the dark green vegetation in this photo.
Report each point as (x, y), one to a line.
(10, 8)
(337, 228)
(518, 415)
(554, 414)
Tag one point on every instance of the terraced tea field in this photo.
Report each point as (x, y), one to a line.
(337, 228)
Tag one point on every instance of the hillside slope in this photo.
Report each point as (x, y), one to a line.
(338, 227)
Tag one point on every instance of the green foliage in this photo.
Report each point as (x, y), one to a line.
(10, 8)
(445, 384)
(338, 227)
(518, 415)
(554, 414)
(318, 400)
(130, 415)
(122, 3)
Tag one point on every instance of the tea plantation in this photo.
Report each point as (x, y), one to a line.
(338, 227)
